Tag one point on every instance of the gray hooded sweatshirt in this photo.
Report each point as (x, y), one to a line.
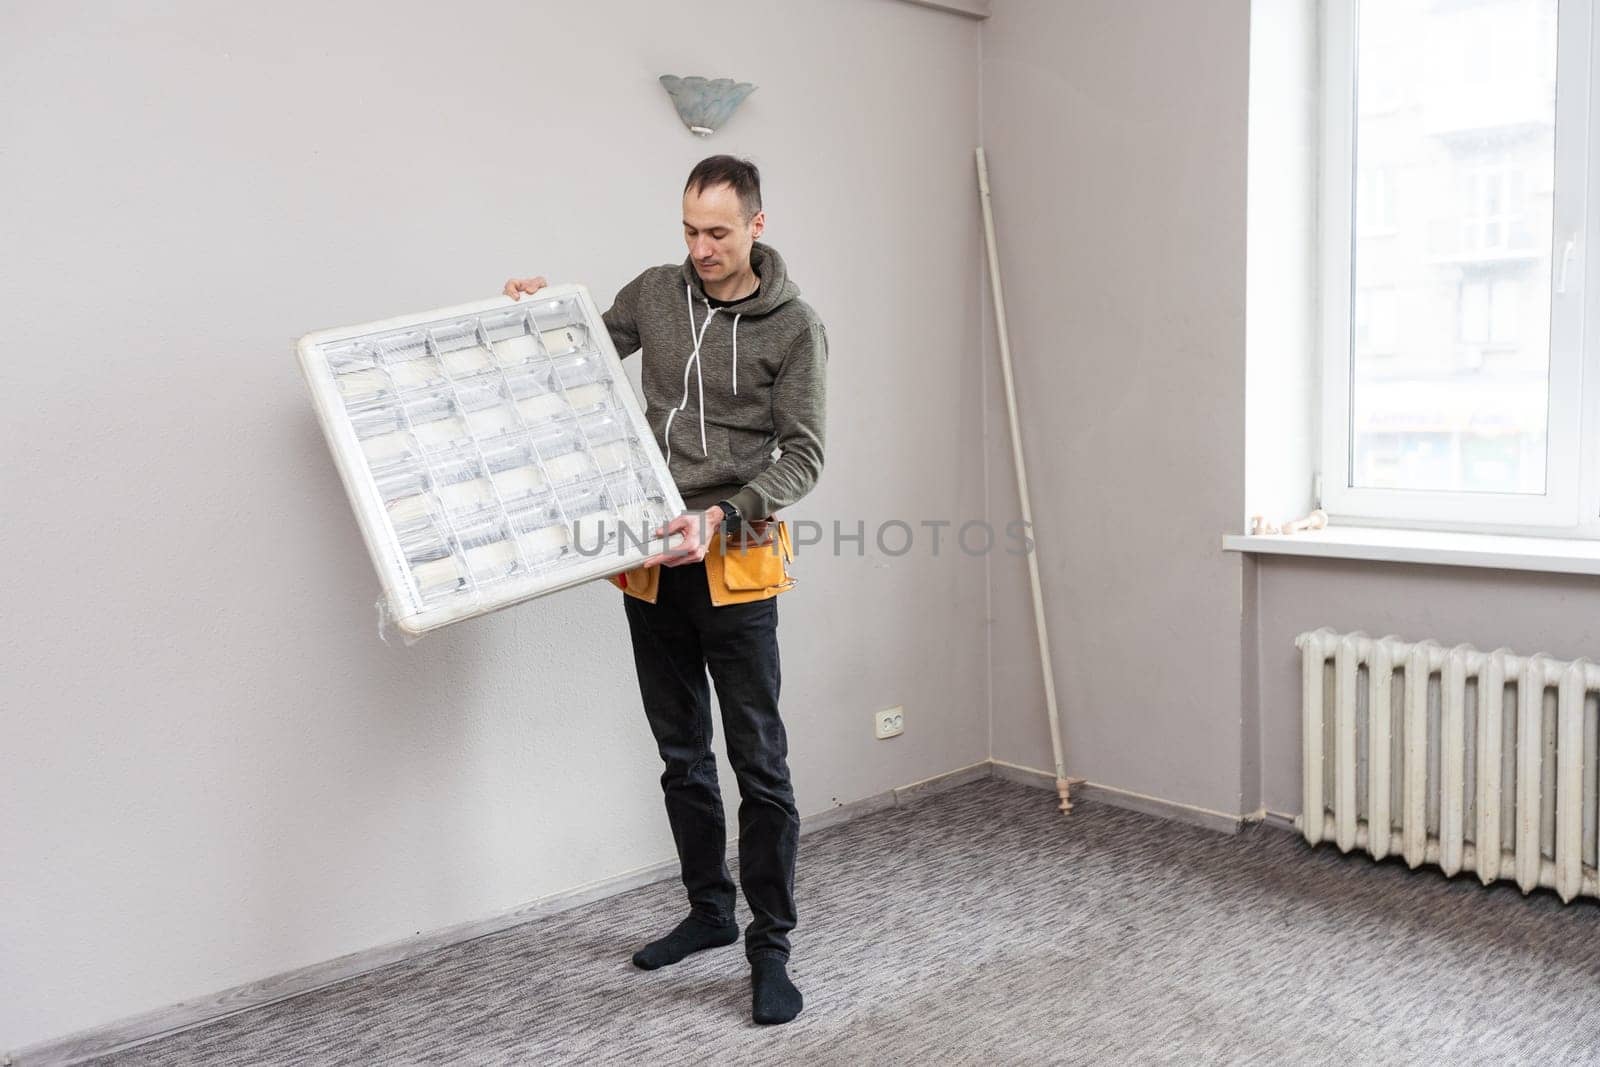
(735, 395)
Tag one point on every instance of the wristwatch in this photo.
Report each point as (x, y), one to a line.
(732, 521)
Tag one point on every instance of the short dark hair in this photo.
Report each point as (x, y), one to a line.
(727, 170)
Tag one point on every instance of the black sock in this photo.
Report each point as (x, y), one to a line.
(691, 935)
(773, 998)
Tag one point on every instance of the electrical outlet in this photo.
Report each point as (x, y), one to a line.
(891, 722)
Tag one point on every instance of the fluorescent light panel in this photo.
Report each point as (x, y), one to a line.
(493, 452)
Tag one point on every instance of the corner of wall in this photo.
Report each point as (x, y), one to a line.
(984, 326)
(1249, 688)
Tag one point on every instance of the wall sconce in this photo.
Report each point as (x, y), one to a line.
(704, 105)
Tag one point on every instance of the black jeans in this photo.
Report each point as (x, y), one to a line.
(674, 641)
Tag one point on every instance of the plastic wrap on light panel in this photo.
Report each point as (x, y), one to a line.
(492, 452)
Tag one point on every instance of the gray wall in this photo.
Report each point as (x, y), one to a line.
(215, 771)
(1116, 131)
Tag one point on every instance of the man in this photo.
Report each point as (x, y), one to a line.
(734, 381)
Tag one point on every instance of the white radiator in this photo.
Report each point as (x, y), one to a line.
(1474, 761)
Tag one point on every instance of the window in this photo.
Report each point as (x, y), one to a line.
(1455, 218)
(1496, 212)
(1489, 311)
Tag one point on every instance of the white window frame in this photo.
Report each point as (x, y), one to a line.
(1570, 506)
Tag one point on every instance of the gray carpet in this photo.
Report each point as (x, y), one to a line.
(978, 926)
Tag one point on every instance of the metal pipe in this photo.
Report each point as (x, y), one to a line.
(1063, 788)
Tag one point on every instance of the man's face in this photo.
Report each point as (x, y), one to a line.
(717, 234)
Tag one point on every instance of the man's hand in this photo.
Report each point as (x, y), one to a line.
(515, 287)
(696, 528)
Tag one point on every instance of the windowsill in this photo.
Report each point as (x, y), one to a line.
(1506, 552)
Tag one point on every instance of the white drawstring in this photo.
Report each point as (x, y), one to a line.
(736, 353)
(694, 361)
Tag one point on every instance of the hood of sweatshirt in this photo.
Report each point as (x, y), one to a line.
(775, 290)
(725, 386)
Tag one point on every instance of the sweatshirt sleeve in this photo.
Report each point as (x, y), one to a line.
(799, 417)
(622, 321)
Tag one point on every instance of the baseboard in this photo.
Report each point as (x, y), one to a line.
(1123, 798)
(1277, 820)
(139, 1029)
(897, 797)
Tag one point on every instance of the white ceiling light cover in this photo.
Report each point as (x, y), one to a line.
(493, 452)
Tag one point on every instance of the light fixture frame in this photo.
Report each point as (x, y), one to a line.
(401, 594)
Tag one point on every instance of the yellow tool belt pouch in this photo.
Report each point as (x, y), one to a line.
(641, 582)
(754, 567)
